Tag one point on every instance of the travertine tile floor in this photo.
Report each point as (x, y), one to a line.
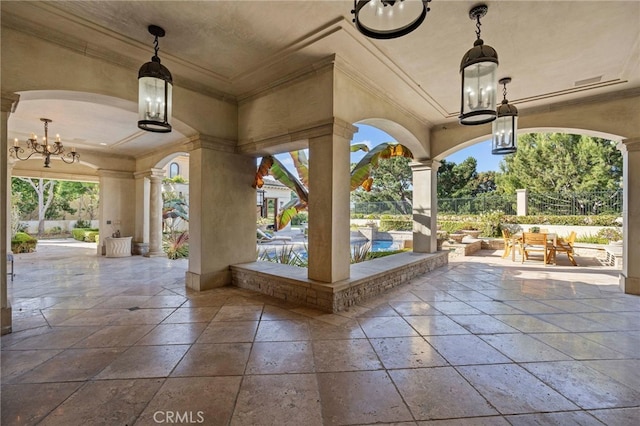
(483, 341)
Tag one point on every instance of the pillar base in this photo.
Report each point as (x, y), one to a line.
(155, 254)
(629, 285)
(201, 282)
(6, 321)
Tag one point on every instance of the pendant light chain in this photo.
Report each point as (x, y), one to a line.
(478, 24)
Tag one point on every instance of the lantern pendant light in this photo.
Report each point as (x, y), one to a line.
(154, 91)
(505, 126)
(387, 19)
(479, 78)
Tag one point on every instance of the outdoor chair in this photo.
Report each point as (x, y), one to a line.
(566, 246)
(510, 243)
(263, 237)
(537, 243)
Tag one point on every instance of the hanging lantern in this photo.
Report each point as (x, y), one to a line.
(505, 127)
(154, 91)
(386, 19)
(479, 78)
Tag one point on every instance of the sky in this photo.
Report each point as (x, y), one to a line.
(480, 151)
(373, 136)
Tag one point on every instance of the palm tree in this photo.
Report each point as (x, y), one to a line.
(360, 174)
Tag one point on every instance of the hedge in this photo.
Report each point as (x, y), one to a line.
(23, 243)
(85, 234)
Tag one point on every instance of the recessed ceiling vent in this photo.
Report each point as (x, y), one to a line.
(586, 81)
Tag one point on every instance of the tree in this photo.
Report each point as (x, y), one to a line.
(44, 195)
(457, 180)
(558, 162)
(392, 181)
(361, 174)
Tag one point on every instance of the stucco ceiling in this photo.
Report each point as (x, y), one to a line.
(553, 50)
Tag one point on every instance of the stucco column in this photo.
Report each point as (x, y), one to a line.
(117, 196)
(522, 202)
(630, 276)
(9, 101)
(329, 215)
(141, 231)
(425, 205)
(155, 213)
(222, 212)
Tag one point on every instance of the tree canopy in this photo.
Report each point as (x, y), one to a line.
(559, 162)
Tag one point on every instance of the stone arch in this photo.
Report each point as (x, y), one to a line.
(400, 133)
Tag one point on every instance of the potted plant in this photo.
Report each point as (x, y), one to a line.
(470, 229)
(441, 237)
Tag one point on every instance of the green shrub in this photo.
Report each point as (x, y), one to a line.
(591, 239)
(91, 236)
(82, 224)
(23, 243)
(379, 254)
(300, 218)
(395, 223)
(78, 233)
(609, 234)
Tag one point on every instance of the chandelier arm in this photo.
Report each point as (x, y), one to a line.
(72, 156)
(15, 151)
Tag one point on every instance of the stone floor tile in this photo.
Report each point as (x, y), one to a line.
(344, 355)
(435, 325)
(360, 397)
(471, 295)
(529, 324)
(284, 330)
(56, 338)
(455, 308)
(71, 365)
(494, 307)
(512, 390)
(482, 324)
(386, 327)
(276, 313)
(185, 315)
(428, 392)
(193, 400)
(624, 342)
(414, 308)
(570, 306)
(435, 296)
(144, 361)
(618, 416)
(585, 386)
(15, 363)
(289, 399)
(93, 316)
(164, 302)
(468, 421)
(466, 350)
(322, 331)
(219, 359)
(620, 321)
(239, 313)
(524, 348)
(115, 336)
(173, 334)
(383, 310)
(578, 347)
(280, 357)
(567, 418)
(532, 307)
(406, 352)
(27, 404)
(105, 402)
(625, 371)
(123, 302)
(55, 317)
(229, 332)
(142, 316)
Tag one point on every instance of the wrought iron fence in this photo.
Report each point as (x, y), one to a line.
(478, 205)
(557, 204)
(586, 203)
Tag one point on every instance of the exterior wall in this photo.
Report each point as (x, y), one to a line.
(65, 225)
(183, 165)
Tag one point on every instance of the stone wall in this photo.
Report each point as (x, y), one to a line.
(368, 279)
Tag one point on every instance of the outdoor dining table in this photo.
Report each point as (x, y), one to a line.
(551, 236)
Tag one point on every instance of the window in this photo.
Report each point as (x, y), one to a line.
(174, 170)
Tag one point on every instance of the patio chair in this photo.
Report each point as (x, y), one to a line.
(566, 246)
(510, 243)
(537, 243)
(263, 237)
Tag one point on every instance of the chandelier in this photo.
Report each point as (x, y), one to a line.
(385, 19)
(479, 78)
(45, 148)
(154, 91)
(505, 126)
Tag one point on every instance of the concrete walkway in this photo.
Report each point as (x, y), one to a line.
(483, 341)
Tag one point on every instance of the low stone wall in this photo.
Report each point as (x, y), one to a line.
(368, 279)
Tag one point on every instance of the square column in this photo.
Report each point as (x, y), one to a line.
(117, 195)
(222, 213)
(329, 213)
(9, 101)
(425, 205)
(630, 276)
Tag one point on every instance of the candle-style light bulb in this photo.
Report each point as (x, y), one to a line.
(15, 142)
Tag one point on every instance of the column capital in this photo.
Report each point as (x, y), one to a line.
(9, 101)
(152, 173)
(423, 165)
(628, 145)
(201, 141)
(114, 174)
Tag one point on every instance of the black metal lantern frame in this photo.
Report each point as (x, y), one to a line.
(505, 127)
(154, 91)
(478, 68)
(387, 19)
